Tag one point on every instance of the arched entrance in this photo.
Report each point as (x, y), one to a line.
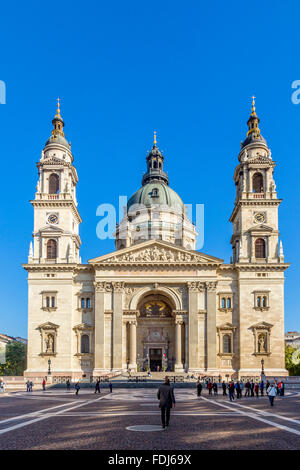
(156, 333)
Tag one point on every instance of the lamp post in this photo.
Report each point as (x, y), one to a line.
(49, 367)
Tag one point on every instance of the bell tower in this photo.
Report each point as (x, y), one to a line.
(254, 218)
(56, 218)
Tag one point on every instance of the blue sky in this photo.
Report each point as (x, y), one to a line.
(123, 70)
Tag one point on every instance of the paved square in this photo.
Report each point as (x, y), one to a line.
(57, 419)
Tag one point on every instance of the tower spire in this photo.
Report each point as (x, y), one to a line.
(155, 163)
(58, 123)
(253, 121)
(58, 109)
(154, 139)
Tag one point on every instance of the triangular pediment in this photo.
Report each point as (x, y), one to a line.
(260, 227)
(262, 325)
(48, 326)
(50, 229)
(156, 252)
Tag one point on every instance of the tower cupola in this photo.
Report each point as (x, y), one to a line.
(57, 134)
(155, 162)
(253, 134)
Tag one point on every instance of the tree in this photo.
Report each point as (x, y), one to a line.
(294, 369)
(15, 359)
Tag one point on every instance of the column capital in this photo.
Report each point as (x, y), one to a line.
(102, 286)
(196, 286)
(118, 286)
(211, 286)
(179, 321)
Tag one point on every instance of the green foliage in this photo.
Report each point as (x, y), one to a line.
(15, 359)
(294, 369)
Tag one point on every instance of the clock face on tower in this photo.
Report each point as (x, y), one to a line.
(52, 219)
(259, 218)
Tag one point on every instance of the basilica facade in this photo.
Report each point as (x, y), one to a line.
(156, 302)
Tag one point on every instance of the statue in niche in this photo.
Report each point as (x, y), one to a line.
(262, 343)
(49, 343)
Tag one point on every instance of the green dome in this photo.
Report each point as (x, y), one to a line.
(156, 193)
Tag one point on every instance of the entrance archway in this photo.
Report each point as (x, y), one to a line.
(156, 333)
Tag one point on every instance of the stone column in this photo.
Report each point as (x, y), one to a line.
(118, 288)
(211, 325)
(186, 331)
(195, 288)
(178, 352)
(99, 355)
(132, 364)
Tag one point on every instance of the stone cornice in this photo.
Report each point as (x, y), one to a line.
(52, 203)
(253, 267)
(253, 202)
(58, 267)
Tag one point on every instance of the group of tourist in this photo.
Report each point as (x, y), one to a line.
(251, 388)
(29, 386)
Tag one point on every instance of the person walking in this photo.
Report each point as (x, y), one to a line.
(262, 386)
(2, 386)
(166, 398)
(247, 387)
(267, 386)
(44, 385)
(272, 392)
(252, 385)
(238, 389)
(282, 389)
(97, 386)
(28, 386)
(224, 388)
(209, 386)
(110, 387)
(77, 388)
(199, 388)
(215, 388)
(242, 386)
(68, 385)
(256, 389)
(231, 390)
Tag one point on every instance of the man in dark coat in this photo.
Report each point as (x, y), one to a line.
(199, 388)
(166, 399)
(97, 386)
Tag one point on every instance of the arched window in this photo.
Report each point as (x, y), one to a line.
(258, 301)
(223, 302)
(258, 183)
(228, 302)
(53, 183)
(226, 344)
(85, 344)
(264, 301)
(260, 248)
(51, 249)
